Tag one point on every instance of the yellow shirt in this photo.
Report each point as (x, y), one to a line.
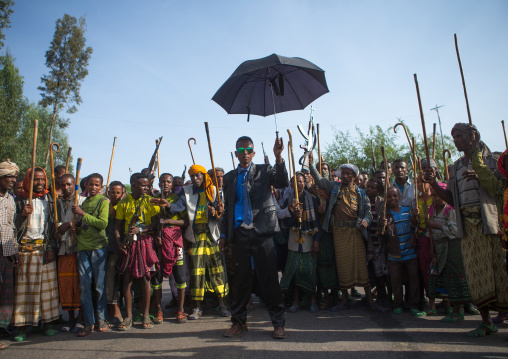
(202, 209)
(127, 206)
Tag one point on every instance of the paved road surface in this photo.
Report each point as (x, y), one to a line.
(358, 333)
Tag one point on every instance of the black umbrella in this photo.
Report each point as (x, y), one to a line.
(271, 85)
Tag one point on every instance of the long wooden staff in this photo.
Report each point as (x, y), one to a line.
(292, 161)
(76, 194)
(462, 76)
(415, 169)
(289, 159)
(504, 131)
(32, 175)
(445, 164)
(110, 165)
(319, 150)
(68, 160)
(190, 148)
(406, 131)
(434, 142)
(423, 121)
(211, 159)
(386, 184)
(233, 160)
(53, 181)
(158, 160)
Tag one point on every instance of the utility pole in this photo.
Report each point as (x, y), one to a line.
(439, 119)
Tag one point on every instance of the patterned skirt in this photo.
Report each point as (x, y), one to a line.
(300, 268)
(6, 291)
(207, 271)
(68, 282)
(35, 291)
(450, 280)
(142, 259)
(350, 258)
(326, 270)
(485, 267)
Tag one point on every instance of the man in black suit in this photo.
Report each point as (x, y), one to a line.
(249, 223)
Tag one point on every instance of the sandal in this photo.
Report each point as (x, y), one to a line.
(471, 309)
(453, 318)
(125, 325)
(115, 322)
(181, 317)
(3, 345)
(147, 323)
(416, 313)
(138, 318)
(479, 332)
(158, 318)
(103, 326)
(21, 336)
(87, 329)
(431, 312)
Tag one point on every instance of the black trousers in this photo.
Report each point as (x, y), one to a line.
(246, 245)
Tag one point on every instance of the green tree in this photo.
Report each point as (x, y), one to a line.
(358, 150)
(5, 14)
(67, 60)
(12, 105)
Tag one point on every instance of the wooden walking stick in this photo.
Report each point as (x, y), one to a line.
(76, 194)
(415, 169)
(386, 184)
(211, 159)
(158, 160)
(32, 175)
(406, 131)
(434, 142)
(319, 150)
(423, 121)
(233, 160)
(53, 181)
(292, 161)
(504, 131)
(110, 165)
(68, 160)
(446, 174)
(462, 76)
(190, 148)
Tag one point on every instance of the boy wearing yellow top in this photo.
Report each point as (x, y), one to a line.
(203, 233)
(134, 235)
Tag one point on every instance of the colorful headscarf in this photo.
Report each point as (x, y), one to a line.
(504, 219)
(207, 181)
(432, 207)
(25, 193)
(8, 169)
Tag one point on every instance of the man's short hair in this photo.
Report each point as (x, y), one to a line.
(115, 183)
(137, 176)
(67, 175)
(364, 173)
(59, 168)
(96, 175)
(219, 169)
(380, 171)
(399, 160)
(166, 174)
(244, 138)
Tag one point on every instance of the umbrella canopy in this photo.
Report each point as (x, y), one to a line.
(271, 85)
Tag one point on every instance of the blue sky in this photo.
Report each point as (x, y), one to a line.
(157, 64)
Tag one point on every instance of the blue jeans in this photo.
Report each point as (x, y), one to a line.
(92, 264)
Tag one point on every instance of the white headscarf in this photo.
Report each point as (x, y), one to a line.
(351, 167)
(8, 169)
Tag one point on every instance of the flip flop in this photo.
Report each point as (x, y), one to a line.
(87, 329)
(147, 323)
(3, 345)
(158, 318)
(479, 332)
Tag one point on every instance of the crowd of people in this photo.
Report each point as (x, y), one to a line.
(302, 243)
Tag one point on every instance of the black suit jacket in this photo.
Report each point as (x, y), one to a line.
(259, 182)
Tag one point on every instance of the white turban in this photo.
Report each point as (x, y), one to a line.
(350, 167)
(8, 169)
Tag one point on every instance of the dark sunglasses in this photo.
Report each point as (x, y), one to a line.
(241, 149)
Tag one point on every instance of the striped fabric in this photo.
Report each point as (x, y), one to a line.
(469, 191)
(7, 227)
(404, 233)
(36, 291)
(207, 271)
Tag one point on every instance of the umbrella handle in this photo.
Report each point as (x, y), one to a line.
(281, 140)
